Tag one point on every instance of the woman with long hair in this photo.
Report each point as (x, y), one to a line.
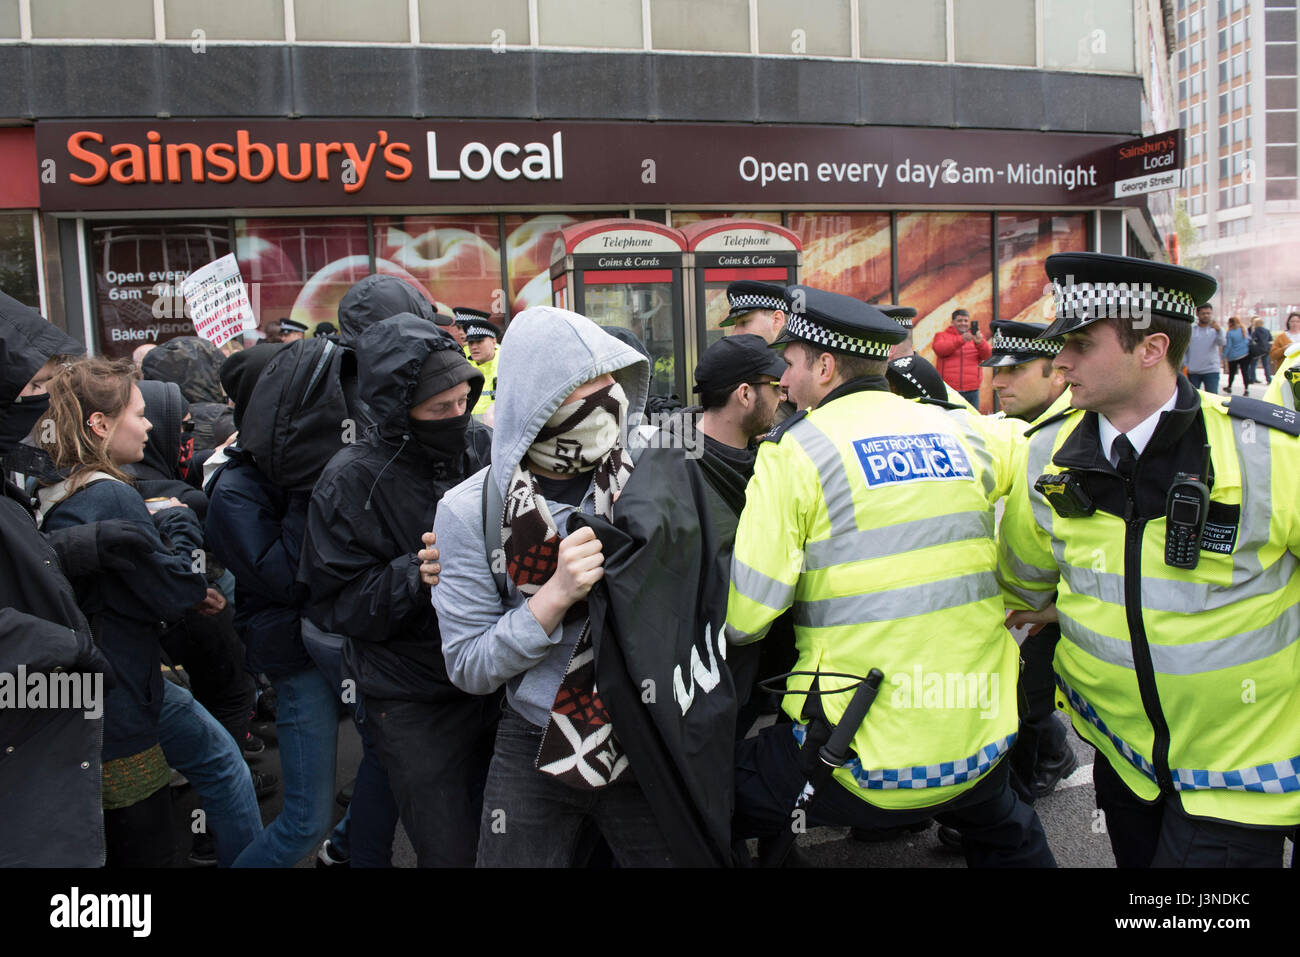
(1235, 354)
(96, 426)
(1284, 340)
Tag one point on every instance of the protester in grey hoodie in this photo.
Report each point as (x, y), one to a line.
(563, 383)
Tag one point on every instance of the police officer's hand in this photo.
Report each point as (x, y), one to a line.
(428, 556)
(1047, 616)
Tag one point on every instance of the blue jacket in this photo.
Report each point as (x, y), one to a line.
(1238, 345)
(256, 529)
(129, 611)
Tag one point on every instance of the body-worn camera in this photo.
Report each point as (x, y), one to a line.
(1066, 494)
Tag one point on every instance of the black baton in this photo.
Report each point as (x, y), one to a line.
(830, 756)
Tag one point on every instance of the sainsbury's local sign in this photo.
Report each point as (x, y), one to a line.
(208, 164)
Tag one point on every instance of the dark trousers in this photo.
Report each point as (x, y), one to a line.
(1042, 737)
(209, 648)
(997, 828)
(531, 819)
(436, 755)
(140, 835)
(1162, 834)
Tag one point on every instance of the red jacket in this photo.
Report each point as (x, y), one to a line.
(959, 362)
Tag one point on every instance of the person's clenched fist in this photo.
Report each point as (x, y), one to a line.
(580, 564)
(428, 556)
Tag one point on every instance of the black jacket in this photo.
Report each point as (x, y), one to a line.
(256, 529)
(194, 365)
(656, 628)
(50, 779)
(158, 475)
(368, 511)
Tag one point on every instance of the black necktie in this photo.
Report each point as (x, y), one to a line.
(1128, 459)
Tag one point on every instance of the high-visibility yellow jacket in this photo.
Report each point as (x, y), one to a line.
(489, 393)
(1186, 680)
(872, 516)
(1285, 387)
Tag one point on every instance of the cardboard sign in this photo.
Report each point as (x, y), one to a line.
(217, 301)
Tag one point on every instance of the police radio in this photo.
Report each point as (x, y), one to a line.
(1066, 494)
(1185, 511)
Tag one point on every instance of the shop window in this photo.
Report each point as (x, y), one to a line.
(138, 269)
(995, 31)
(225, 19)
(1093, 36)
(716, 25)
(375, 21)
(588, 23)
(476, 23)
(10, 26)
(300, 268)
(945, 262)
(103, 19)
(815, 27)
(847, 253)
(455, 259)
(1024, 241)
(18, 262)
(529, 239)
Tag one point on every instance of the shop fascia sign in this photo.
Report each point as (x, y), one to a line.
(209, 164)
(1149, 164)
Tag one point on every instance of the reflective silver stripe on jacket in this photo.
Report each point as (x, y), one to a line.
(897, 539)
(836, 491)
(756, 586)
(896, 603)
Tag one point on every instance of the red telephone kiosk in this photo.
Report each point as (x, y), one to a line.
(628, 272)
(724, 250)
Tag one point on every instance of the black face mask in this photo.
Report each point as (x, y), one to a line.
(444, 439)
(21, 418)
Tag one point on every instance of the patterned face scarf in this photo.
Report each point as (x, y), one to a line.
(578, 746)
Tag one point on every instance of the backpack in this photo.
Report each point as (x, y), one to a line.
(302, 411)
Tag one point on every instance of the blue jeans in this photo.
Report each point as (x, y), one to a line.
(365, 833)
(1209, 381)
(307, 723)
(972, 396)
(197, 745)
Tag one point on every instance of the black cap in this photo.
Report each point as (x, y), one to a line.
(903, 315)
(292, 325)
(746, 295)
(736, 359)
(913, 377)
(1093, 286)
(446, 366)
(838, 323)
(476, 323)
(1015, 343)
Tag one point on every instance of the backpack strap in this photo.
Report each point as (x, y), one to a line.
(492, 544)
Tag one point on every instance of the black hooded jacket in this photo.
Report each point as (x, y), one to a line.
(157, 474)
(194, 364)
(50, 779)
(376, 298)
(368, 511)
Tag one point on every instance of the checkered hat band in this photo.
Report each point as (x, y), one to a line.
(473, 330)
(1047, 347)
(756, 301)
(904, 321)
(1277, 777)
(1107, 301)
(805, 328)
(941, 775)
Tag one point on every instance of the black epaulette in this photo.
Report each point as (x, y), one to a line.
(1265, 413)
(1049, 420)
(941, 403)
(774, 435)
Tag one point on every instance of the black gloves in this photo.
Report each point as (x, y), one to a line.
(110, 545)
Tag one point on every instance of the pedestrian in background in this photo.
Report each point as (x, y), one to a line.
(958, 351)
(1235, 353)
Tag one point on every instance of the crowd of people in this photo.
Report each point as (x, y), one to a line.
(575, 626)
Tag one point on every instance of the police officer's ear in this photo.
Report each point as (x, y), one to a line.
(1153, 350)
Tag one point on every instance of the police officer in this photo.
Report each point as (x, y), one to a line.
(291, 330)
(756, 308)
(482, 334)
(871, 516)
(1166, 525)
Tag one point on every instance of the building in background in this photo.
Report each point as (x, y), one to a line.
(931, 153)
(1236, 70)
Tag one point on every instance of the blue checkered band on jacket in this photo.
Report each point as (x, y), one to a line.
(472, 330)
(1110, 300)
(1278, 777)
(1046, 347)
(804, 328)
(754, 300)
(942, 775)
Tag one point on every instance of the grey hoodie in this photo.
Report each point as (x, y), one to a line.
(547, 353)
